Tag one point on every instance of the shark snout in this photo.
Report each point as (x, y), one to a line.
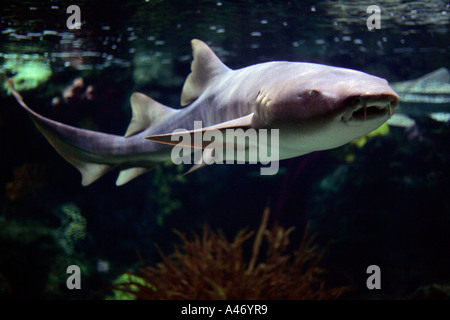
(369, 107)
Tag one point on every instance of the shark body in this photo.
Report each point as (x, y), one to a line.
(427, 96)
(314, 107)
(430, 89)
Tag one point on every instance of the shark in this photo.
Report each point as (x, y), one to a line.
(314, 107)
(427, 96)
(432, 88)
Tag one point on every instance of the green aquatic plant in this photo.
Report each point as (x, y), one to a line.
(381, 131)
(29, 71)
(211, 267)
(165, 178)
(125, 287)
(33, 262)
(360, 142)
(73, 227)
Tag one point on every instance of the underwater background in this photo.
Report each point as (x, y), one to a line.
(381, 200)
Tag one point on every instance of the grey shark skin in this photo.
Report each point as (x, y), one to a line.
(432, 88)
(314, 107)
(427, 96)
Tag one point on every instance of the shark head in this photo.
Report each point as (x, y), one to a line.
(319, 107)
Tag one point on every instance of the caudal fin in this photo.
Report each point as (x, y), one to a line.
(69, 142)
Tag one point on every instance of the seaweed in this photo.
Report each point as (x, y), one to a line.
(73, 227)
(33, 263)
(211, 267)
(165, 180)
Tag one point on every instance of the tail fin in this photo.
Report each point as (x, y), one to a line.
(72, 143)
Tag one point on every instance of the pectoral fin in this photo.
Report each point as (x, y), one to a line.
(186, 138)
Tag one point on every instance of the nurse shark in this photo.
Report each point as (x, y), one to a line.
(427, 96)
(313, 107)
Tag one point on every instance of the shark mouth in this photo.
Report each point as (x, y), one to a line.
(365, 109)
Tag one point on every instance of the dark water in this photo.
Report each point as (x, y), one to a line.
(383, 203)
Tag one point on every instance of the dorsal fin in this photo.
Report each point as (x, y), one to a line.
(146, 112)
(204, 67)
(439, 75)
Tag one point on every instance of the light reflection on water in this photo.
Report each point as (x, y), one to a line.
(119, 34)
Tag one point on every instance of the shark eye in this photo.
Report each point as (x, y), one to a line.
(311, 93)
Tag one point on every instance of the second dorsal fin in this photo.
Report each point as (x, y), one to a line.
(146, 112)
(204, 67)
